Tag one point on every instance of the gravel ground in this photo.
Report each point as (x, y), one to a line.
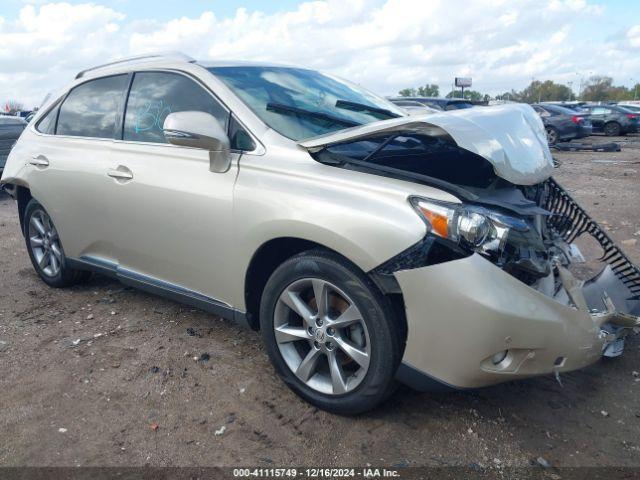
(135, 391)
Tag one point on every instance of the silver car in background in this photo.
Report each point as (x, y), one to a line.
(367, 246)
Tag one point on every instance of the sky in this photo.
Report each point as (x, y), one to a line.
(383, 45)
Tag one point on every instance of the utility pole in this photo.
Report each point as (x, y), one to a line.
(580, 89)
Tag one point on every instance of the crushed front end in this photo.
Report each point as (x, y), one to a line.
(509, 306)
(491, 293)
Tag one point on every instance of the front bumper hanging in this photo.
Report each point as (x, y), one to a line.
(570, 221)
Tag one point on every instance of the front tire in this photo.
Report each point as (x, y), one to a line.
(330, 334)
(45, 250)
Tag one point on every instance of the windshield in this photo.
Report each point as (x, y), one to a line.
(300, 103)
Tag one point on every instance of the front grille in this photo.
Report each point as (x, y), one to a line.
(570, 221)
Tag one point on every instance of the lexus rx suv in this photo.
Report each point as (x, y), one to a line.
(368, 247)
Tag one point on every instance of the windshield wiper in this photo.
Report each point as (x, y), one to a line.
(288, 109)
(362, 107)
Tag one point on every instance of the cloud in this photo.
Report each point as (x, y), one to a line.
(384, 45)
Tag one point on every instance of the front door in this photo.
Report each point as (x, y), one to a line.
(172, 213)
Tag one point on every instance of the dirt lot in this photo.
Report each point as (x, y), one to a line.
(95, 403)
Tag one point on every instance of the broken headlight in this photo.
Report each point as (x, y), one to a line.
(471, 226)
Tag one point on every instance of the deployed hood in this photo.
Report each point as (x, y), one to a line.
(511, 137)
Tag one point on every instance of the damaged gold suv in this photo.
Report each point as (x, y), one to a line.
(366, 246)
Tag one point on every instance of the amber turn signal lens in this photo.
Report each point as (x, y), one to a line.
(439, 223)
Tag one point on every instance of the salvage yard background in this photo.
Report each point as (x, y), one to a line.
(104, 375)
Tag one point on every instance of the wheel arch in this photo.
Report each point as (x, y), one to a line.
(273, 253)
(22, 195)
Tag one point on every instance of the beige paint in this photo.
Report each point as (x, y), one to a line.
(465, 311)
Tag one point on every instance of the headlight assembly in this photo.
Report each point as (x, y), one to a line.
(471, 226)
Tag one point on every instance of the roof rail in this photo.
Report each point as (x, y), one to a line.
(148, 56)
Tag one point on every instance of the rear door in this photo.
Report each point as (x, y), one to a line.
(597, 117)
(68, 161)
(173, 215)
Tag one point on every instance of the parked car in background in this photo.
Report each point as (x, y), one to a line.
(575, 106)
(29, 117)
(562, 124)
(437, 103)
(415, 108)
(10, 130)
(632, 108)
(612, 120)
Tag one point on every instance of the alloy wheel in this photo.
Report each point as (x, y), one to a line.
(45, 244)
(322, 336)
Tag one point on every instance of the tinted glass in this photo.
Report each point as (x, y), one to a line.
(301, 103)
(154, 95)
(91, 109)
(557, 110)
(239, 139)
(48, 123)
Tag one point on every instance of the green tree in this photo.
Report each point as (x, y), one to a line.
(468, 94)
(429, 90)
(599, 88)
(512, 96)
(408, 92)
(546, 91)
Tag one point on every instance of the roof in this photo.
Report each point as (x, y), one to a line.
(173, 57)
(244, 63)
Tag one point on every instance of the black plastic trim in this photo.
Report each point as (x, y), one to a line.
(422, 382)
(431, 250)
(159, 287)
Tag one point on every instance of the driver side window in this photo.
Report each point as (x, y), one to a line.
(154, 95)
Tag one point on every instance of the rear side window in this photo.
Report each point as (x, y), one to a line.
(92, 109)
(154, 95)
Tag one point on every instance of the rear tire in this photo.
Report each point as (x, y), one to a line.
(552, 136)
(612, 129)
(355, 329)
(45, 249)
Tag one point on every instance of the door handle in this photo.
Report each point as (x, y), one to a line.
(39, 161)
(120, 173)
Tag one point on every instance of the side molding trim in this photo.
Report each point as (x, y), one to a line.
(158, 287)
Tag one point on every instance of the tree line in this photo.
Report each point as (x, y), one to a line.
(596, 89)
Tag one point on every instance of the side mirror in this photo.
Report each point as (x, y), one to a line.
(199, 130)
